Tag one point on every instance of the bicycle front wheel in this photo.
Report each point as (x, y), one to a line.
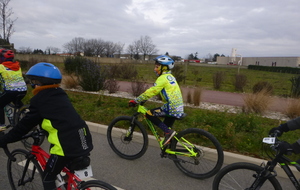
(22, 177)
(209, 158)
(29, 141)
(95, 185)
(241, 175)
(127, 139)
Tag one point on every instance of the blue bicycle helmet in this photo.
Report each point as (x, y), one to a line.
(165, 60)
(46, 73)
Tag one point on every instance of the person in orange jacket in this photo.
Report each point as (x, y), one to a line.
(11, 80)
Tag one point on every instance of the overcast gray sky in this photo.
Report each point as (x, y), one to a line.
(256, 28)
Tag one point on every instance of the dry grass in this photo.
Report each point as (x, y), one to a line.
(189, 99)
(257, 103)
(293, 108)
(197, 96)
(70, 81)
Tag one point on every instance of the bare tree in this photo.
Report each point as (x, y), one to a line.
(100, 48)
(119, 48)
(110, 48)
(146, 46)
(134, 49)
(52, 50)
(7, 23)
(75, 45)
(89, 47)
(24, 50)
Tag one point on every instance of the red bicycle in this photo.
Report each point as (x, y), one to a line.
(25, 169)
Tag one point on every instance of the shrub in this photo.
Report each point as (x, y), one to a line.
(91, 76)
(126, 71)
(25, 65)
(295, 90)
(178, 73)
(73, 64)
(262, 85)
(112, 86)
(257, 103)
(138, 87)
(240, 82)
(218, 79)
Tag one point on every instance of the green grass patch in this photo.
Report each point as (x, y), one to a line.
(239, 133)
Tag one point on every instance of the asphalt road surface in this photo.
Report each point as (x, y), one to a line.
(150, 172)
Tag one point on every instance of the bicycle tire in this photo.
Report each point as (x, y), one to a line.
(15, 170)
(95, 185)
(29, 141)
(209, 159)
(240, 176)
(127, 148)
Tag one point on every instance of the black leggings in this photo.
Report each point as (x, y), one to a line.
(153, 115)
(53, 167)
(5, 98)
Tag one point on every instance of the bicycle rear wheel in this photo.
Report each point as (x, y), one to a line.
(29, 141)
(241, 175)
(95, 185)
(210, 155)
(32, 174)
(127, 146)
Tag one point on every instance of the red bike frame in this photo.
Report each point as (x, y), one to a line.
(42, 157)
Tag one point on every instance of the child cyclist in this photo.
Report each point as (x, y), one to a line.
(51, 108)
(167, 86)
(12, 82)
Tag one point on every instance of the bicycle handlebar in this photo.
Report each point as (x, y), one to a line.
(8, 154)
(33, 134)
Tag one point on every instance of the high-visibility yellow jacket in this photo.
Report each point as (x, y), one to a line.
(167, 86)
(11, 77)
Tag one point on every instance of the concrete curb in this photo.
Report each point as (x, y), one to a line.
(229, 157)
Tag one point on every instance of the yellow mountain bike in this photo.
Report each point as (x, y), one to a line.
(196, 152)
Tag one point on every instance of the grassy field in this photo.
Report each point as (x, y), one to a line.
(280, 81)
(239, 133)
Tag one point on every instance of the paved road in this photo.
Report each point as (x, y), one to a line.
(218, 97)
(148, 172)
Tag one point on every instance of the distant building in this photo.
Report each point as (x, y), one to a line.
(263, 61)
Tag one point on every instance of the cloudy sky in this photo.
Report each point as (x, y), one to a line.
(254, 27)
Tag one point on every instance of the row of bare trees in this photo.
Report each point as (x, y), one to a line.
(98, 47)
(138, 49)
(143, 46)
(93, 47)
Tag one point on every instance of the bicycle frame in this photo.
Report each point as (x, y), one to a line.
(269, 168)
(142, 110)
(41, 156)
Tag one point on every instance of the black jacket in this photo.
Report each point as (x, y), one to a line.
(68, 134)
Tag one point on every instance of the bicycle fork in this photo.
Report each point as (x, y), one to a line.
(128, 136)
(30, 178)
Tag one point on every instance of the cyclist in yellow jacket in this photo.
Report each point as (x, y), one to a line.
(12, 81)
(167, 86)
